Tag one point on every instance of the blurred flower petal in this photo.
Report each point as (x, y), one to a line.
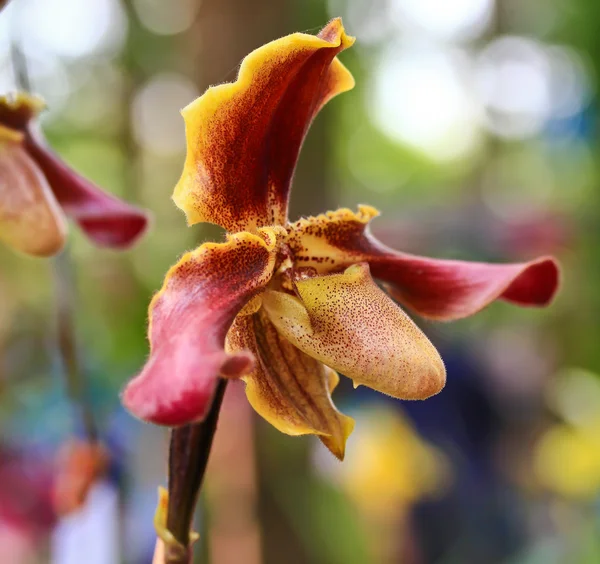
(567, 461)
(244, 137)
(347, 322)
(189, 319)
(106, 220)
(31, 220)
(291, 390)
(80, 464)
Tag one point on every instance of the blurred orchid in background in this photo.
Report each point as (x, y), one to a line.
(282, 305)
(27, 512)
(37, 189)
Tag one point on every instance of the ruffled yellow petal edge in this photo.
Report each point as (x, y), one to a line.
(204, 107)
(364, 215)
(201, 115)
(331, 239)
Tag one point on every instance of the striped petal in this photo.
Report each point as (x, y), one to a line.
(290, 389)
(189, 319)
(106, 220)
(347, 322)
(31, 220)
(433, 288)
(244, 137)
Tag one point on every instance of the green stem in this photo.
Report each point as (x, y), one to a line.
(67, 344)
(18, 59)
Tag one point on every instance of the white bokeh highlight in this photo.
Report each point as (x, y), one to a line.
(421, 98)
(450, 20)
(157, 123)
(72, 29)
(163, 18)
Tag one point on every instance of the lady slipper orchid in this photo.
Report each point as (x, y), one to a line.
(36, 187)
(285, 306)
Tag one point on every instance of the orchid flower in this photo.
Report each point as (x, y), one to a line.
(37, 189)
(286, 306)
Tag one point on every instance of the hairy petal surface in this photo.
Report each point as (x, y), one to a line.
(105, 219)
(244, 137)
(347, 322)
(290, 389)
(434, 288)
(189, 319)
(30, 218)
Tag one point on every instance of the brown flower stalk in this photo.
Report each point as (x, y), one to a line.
(188, 456)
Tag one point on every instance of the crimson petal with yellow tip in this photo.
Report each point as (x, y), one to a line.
(189, 319)
(244, 137)
(288, 388)
(347, 322)
(434, 288)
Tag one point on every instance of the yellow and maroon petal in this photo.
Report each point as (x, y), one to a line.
(434, 288)
(106, 220)
(244, 137)
(31, 220)
(347, 322)
(189, 319)
(290, 389)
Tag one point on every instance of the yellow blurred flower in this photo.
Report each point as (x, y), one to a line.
(391, 467)
(568, 460)
(567, 457)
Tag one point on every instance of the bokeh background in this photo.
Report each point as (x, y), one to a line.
(474, 127)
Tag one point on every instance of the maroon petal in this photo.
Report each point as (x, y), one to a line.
(106, 220)
(189, 319)
(452, 289)
(435, 288)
